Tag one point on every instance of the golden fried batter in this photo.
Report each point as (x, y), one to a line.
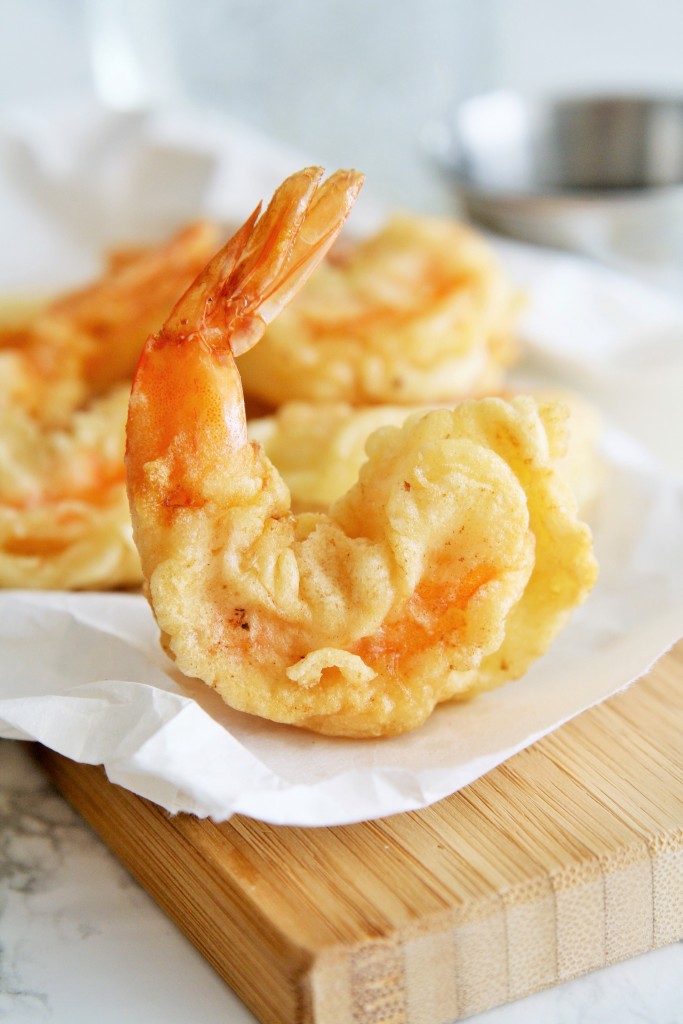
(64, 519)
(419, 313)
(319, 449)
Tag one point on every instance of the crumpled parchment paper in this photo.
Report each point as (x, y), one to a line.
(84, 673)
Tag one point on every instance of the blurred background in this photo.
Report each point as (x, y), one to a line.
(347, 82)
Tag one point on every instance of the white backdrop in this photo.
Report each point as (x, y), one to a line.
(350, 82)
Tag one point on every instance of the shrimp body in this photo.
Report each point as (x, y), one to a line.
(357, 621)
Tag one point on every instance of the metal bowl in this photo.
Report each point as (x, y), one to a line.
(602, 175)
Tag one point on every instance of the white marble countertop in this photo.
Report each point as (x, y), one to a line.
(81, 941)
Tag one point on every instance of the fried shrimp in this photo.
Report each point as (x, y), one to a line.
(80, 344)
(64, 520)
(420, 312)
(447, 567)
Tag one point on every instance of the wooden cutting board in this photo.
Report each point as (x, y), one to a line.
(565, 859)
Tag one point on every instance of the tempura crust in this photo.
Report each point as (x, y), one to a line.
(64, 518)
(447, 568)
(421, 312)
(319, 449)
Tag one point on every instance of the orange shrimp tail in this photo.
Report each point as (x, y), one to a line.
(268, 260)
(187, 395)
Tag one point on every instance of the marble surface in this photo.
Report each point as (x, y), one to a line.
(81, 941)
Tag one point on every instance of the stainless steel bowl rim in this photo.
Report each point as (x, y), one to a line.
(577, 197)
(530, 124)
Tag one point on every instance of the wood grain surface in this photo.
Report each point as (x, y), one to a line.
(566, 858)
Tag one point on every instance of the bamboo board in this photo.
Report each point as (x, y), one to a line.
(565, 859)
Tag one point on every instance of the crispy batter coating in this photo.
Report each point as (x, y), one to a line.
(319, 449)
(64, 518)
(579, 446)
(447, 569)
(419, 313)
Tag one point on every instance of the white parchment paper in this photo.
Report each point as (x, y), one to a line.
(84, 674)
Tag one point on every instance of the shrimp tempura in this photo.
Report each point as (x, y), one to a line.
(447, 568)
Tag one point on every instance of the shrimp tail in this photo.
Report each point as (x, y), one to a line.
(186, 404)
(267, 261)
